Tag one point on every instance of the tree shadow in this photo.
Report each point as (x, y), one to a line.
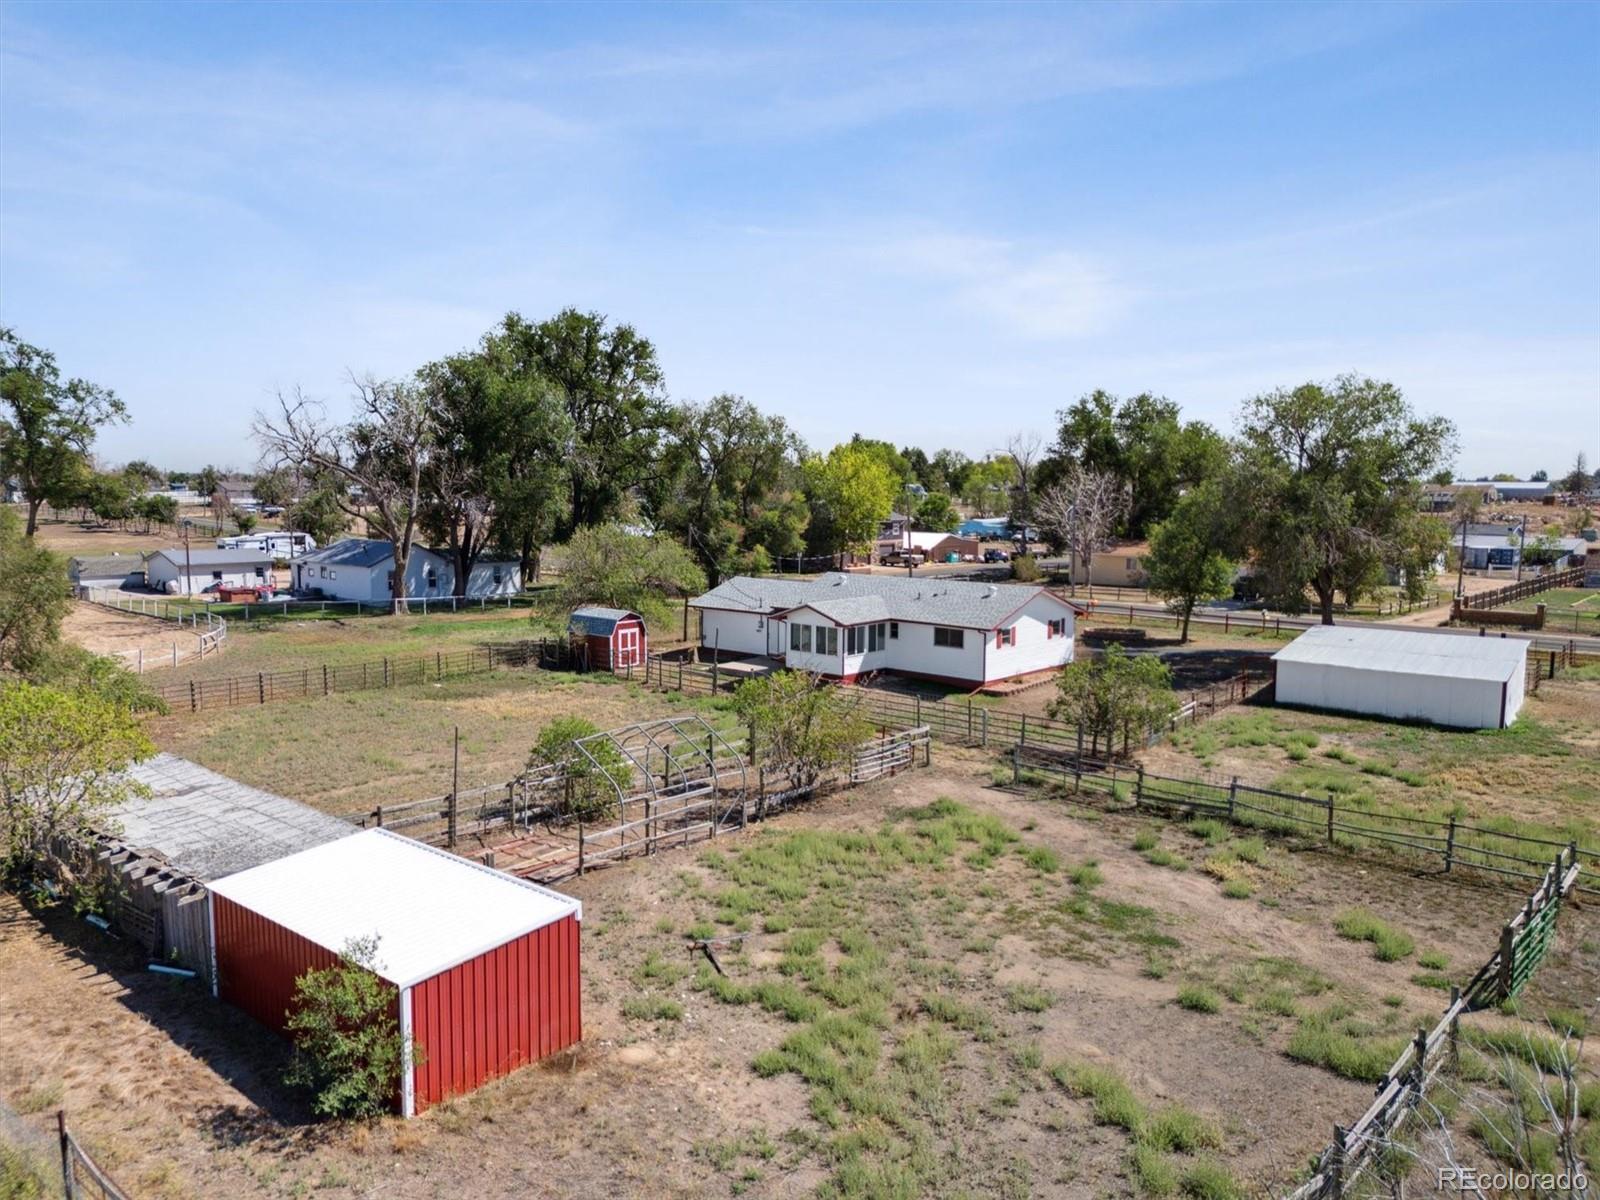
(249, 1056)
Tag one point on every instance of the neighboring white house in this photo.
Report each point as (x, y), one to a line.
(284, 543)
(842, 626)
(1466, 682)
(106, 571)
(164, 569)
(363, 569)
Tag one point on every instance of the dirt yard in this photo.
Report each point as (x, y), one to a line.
(106, 631)
(358, 749)
(937, 982)
(71, 538)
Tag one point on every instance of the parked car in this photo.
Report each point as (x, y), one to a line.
(904, 558)
(995, 556)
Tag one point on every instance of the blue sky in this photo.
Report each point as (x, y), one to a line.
(936, 225)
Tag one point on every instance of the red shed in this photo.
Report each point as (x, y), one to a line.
(484, 965)
(609, 638)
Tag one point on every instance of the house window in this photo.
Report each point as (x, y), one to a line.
(827, 639)
(943, 636)
(497, 576)
(853, 641)
(894, 629)
(875, 636)
(391, 582)
(1006, 636)
(323, 571)
(217, 575)
(1058, 627)
(334, 574)
(433, 579)
(800, 638)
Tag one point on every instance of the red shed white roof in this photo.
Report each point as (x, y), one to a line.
(429, 909)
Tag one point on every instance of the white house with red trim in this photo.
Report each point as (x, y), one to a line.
(842, 626)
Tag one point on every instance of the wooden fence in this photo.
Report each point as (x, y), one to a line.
(1521, 590)
(150, 903)
(959, 720)
(1456, 845)
(549, 841)
(81, 1177)
(267, 687)
(1548, 664)
(1364, 1146)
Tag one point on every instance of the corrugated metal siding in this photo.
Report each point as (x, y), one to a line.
(258, 961)
(508, 1007)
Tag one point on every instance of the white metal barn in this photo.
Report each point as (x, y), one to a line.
(1466, 682)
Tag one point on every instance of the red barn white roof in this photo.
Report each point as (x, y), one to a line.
(430, 909)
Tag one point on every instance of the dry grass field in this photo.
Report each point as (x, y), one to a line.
(945, 990)
(1538, 777)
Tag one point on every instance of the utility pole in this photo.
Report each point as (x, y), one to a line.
(1522, 543)
(188, 571)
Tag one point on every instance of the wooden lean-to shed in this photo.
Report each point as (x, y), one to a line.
(608, 639)
(484, 965)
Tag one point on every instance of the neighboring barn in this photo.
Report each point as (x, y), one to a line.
(188, 572)
(932, 545)
(604, 639)
(843, 626)
(484, 965)
(1464, 682)
(106, 571)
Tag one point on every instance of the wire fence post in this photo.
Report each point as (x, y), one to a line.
(68, 1183)
(1508, 949)
(1450, 845)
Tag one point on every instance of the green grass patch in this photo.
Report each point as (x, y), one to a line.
(1388, 943)
(1086, 875)
(651, 1008)
(1024, 997)
(1198, 998)
(1237, 889)
(1042, 859)
(1344, 1046)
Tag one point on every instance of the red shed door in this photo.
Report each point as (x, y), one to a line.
(628, 651)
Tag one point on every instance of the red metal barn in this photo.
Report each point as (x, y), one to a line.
(484, 965)
(608, 639)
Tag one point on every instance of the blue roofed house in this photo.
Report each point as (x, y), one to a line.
(363, 569)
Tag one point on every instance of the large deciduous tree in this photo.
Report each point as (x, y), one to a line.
(1188, 560)
(606, 564)
(726, 464)
(374, 465)
(495, 478)
(1331, 473)
(48, 424)
(852, 490)
(34, 597)
(1078, 514)
(62, 760)
(1143, 442)
(611, 384)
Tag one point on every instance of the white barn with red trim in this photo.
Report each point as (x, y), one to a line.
(843, 626)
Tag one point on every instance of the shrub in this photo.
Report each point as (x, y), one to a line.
(1145, 840)
(1250, 849)
(1198, 998)
(1025, 568)
(589, 791)
(1210, 829)
(1208, 1180)
(1043, 859)
(1152, 1171)
(347, 1044)
(1177, 1128)
(1360, 925)
(1087, 875)
(1237, 889)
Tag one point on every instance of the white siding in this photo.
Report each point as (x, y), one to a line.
(1035, 649)
(914, 652)
(734, 632)
(160, 571)
(800, 660)
(1441, 699)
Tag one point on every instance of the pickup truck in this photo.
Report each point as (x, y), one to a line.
(904, 558)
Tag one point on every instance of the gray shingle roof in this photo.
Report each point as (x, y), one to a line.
(211, 558)
(853, 599)
(351, 552)
(101, 566)
(592, 618)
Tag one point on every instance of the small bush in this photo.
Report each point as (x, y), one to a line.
(1388, 943)
(1145, 840)
(1198, 998)
(1043, 859)
(1237, 889)
(1177, 1128)
(1209, 829)
(1208, 1180)
(1160, 857)
(1087, 875)
(347, 1044)
(1027, 998)
(1025, 568)
(1152, 1171)
(1250, 849)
